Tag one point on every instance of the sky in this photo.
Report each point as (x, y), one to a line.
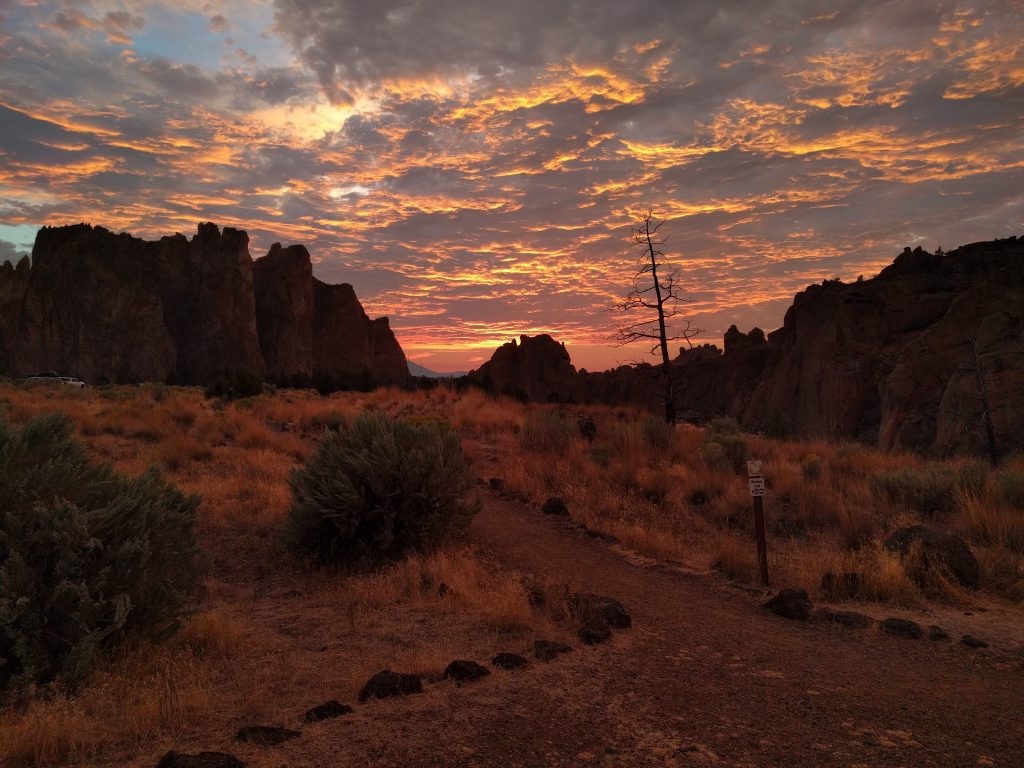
(474, 167)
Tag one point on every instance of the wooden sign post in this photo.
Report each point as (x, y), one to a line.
(756, 481)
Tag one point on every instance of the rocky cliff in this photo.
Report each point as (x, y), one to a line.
(113, 307)
(927, 356)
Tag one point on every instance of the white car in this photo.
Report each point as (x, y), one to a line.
(51, 377)
(72, 382)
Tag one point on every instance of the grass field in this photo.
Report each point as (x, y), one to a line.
(268, 625)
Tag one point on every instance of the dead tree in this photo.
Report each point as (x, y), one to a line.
(656, 292)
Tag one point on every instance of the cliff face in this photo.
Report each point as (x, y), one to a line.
(106, 306)
(927, 356)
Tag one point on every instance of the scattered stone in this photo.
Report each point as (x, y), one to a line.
(509, 661)
(462, 671)
(936, 633)
(840, 585)
(326, 711)
(903, 628)
(608, 609)
(972, 642)
(496, 483)
(555, 506)
(850, 619)
(595, 631)
(546, 650)
(201, 760)
(386, 684)
(947, 552)
(266, 735)
(442, 589)
(790, 603)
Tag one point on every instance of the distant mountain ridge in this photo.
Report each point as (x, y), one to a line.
(113, 307)
(926, 356)
(415, 369)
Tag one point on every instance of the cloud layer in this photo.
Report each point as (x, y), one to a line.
(473, 166)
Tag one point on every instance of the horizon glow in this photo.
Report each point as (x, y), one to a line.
(474, 168)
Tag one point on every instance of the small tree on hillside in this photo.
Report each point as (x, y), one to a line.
(656, 292)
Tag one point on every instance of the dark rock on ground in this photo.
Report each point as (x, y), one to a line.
(936, 633)
(838, 586)
(463, 671)
(850, 619)
(554, 506)
(972, 642)
(496, 483)
(326, 711)
(595, 631)
(266, 735)
(386, 684)
(546, 650)
(200, 760)
(609, 610)
(903, 628)
(509, 661)
(947, 552)
(790, 603)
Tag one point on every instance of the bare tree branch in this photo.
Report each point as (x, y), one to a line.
(665, 305)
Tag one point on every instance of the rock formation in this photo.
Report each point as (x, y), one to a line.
(537, 368)
(927, 356)
(108, 306)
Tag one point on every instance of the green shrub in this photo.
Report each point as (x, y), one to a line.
(658, 434)
(725, 433)
(379, 487)
(548, 431)
(87, 557)
(931, 489)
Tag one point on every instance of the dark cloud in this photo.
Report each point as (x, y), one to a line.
(11, 252)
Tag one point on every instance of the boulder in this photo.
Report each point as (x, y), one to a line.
(595, 630)
(199, 760)
(790, 603)
(973, 642)
(326, 711)
(462, 671)
(386, 684)
(266, 735)
(588, 607)
(902, 628)
(936, 633)
(509, 661)
(948, 553)
(555, 506)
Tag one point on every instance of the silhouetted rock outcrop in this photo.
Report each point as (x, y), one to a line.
(537, 369)
(911, 359)
(108, 306)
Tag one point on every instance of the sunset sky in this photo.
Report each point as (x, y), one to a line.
(473, 167)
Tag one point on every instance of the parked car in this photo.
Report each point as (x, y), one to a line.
(52, 377)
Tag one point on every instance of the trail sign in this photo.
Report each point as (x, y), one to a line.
(754, 468)
(756, 486)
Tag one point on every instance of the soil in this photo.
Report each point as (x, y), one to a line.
(704, 677)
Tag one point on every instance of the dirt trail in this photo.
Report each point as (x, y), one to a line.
(705, 677)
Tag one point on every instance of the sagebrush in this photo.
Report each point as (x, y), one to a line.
(380, 487)
(87, 557)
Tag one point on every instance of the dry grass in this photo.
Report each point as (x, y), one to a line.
(274, 637)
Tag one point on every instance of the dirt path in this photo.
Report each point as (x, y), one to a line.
(705, 677)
